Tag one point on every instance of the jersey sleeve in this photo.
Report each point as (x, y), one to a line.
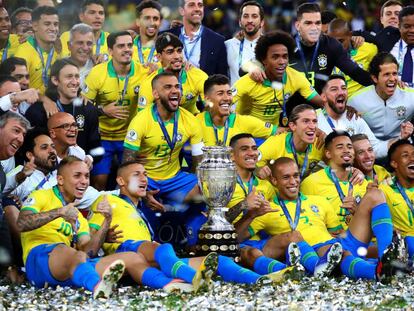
(196, 131)
(267, 151)
(331, 218)
(35, 202)
(257, 127)
(135, 133)
(304, 86)
(92, 83)
(307, 186)
(95, 219)
(241, 96)
(83, 228)
(145, 94)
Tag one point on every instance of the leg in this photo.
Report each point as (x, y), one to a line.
(101, 170)
(193, 195)
(357, 268)
(253, 258)
(409, 240)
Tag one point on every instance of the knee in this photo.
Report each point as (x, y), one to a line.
(295, 236)
(79, 257)
(251, 253)
(373, 197)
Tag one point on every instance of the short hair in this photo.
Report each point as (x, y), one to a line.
(393, 148)
(338, 24)
(81, 28)
(216, 79)
(10, 115)
(334, 134)
(333, 77)
(29, 139)
(280, 161)
(167, 39)
(13, 16)
(327, 17)
(406, 11)
(147, 4)
(358, 137)
(389, 3)
(7, 78)
(294, 115)
(9, 65)
(307, 7)
(67, 161)
(237, 137)
(254, 3)
(159, 76)
(380, 59)
(51, 90)
(271, 38)
(89, 2)
(43, 10)
(111, 40)
(128, 163)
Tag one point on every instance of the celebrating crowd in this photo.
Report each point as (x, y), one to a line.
(101, 134)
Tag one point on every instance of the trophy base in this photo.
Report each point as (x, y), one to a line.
(223, 242)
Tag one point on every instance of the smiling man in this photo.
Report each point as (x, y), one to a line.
(8, 42)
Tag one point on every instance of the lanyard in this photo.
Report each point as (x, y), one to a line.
(338, 186)
(198, 37)
(171, 142)
(5, 51)
(45, 68)
(328, 118)
(302, 55)
(60, 107)
(141, 55)
(249, 185)
(241, 52)
(305, 160)
(226, 131)
(292, 223)
(39, 186)
(124, 91)
(141, 214)
(404, 195)
(400, 58)
(99, 43)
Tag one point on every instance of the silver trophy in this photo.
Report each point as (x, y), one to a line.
(217, 180)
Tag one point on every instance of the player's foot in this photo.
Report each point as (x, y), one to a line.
(205, 272)
(327, 263)
(177, 285)
(109, 278)
(294, 254)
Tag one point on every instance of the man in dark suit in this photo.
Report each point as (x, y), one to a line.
(203, 47)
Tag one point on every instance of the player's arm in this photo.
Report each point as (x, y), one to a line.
(196, 141)
(307, 91)
(132, 142)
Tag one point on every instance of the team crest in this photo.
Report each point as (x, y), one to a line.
(401, 111)
(142, 101)
(322, 61)
(29, 201)
(287, 96)
(314, 209)
(189, 96)
(85, 89)
(131, 135)
(155, 59)
(106, 57)
(80, 120)
(350, 130)
(136, 90)
(268, 124)
(358, 199)
(233, 91)
(179, 137)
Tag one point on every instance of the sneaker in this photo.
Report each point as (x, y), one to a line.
(177, 285)
(205, 272)
(110, 277)
(294, 254)
(327, 263)
(295, 273)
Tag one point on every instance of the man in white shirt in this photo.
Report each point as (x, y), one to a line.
(384, 106)
(240, 49)
(334, 116)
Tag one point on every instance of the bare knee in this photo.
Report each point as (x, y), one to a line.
(372, 198)
(79, 257)
(251, 252)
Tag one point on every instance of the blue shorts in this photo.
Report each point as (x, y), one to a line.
(259, 244)
(129, 246)
(174, 190)
(352, 244)
(112, 148)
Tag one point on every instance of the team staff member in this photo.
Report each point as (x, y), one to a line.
(92, 13)
(266, 101)
(191, 81)
(219, 124)
(113, 86)
(8, 42)
(39, 51)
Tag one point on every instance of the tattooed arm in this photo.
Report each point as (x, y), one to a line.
(235, 211)
(129, 155)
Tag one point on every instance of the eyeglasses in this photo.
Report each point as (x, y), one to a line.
(67, 126)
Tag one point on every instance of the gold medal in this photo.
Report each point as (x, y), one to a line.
(285, 121)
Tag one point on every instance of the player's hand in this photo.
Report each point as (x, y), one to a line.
(239, 35)
(281, 130)
(357, 176)
(357, 41)
(373, 184)
(97, 59)
(113, 235)
(114, 111)
(104, 207)
(152, 67)
(175, 23)
(401, 84)
(188, 65)
(264, 172)
(89, 161)
(30, 96)
(152, 203)
(70, 213)
(406, 130)
(320, 141)
(49, 106)
(132, 33)
(349, 202)
(351, 112)
(29, 167)
(258, 75)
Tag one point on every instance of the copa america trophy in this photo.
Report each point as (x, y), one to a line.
(217, 180)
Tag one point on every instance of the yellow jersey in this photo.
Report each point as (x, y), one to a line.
(362, 57)
(145, 135)
(103, 86)
(402, 216)
(316, 219)
(279, 146)
(125, 215)
(236, 124)
(56, 231)
(11, 47)
(192, 86)
(264, 101)
(35, 66)
(382, 174)
(99, 46)
(321, 183)
(145, 55)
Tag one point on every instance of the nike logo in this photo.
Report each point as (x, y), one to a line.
(330, 198)
(395, 204)
(147, 137)
(105, 93)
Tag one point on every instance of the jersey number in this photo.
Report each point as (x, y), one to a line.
(311, 77)
(270, 110)
(65, 228)
(162, 150)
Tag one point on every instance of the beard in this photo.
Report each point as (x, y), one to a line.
(252, 32)
(46, 165)
(166, 105)
(336, 109)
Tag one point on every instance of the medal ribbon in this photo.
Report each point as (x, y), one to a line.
(198, 37)
(171, 142)
(77, 223)
(5, 51)
(241, 52)
(99, 43)
(60, 107)
(125, 89)
(338, 186)
(226, 132)
(328, 118)
(305, 160)
(39, 185)
(404, 195)
(140, 213)
(249, 185)
(45, 68)
(302, 55)
(141, 54)
(292, 223)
